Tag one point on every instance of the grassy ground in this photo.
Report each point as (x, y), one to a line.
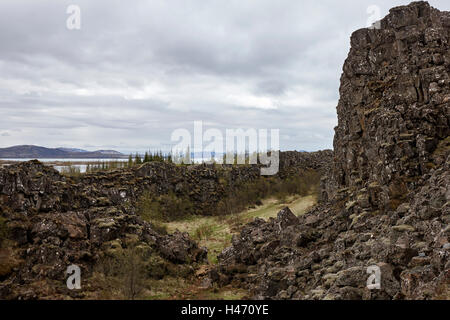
(215, 233)
(171, 288)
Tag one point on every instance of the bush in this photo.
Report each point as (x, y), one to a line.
(133, 276)
(125, 272)
(166, 207)
(174, 207)
(149, 208)
(3, 230)
(160, 227)
(204, 231)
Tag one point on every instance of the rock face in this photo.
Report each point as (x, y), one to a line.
(55, 223)
(293, 162)
(386, 202)
(394, 106)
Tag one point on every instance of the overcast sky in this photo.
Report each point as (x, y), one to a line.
(137, 70)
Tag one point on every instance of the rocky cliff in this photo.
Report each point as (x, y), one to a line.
(386, 200)
(53, 223)
(394, 107)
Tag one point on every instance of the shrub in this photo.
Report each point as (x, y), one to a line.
(204, 231)
(174, 207)
(3, 230)
(160, 227)
(169, 207)
(149, 208)
(166, 207)
(151, 211)
(133, 276)
(125, 271)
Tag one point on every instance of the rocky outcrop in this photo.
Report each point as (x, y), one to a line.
(394, 107)
(55, 220)
(326, 253)
(294, 162)
(386, 202)
(32, 187)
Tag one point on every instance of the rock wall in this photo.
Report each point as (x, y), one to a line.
(54, 223)
(386, 201)
(394, 107)
(32, 187)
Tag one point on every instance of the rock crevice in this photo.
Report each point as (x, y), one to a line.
(385, 202)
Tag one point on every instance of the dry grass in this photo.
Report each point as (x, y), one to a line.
(176, 288)
(215, 233)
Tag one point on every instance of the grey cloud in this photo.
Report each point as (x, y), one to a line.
(272, 87)
(138, 70)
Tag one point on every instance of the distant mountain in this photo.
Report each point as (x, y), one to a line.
(110, 152)
(37, 152)
(72, 150)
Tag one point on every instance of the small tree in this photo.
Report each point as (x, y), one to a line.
(130, 160)
(137, 159)
(3, 230)
(133, 273)
(125, 271)
(187, 156)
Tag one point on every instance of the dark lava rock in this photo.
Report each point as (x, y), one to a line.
(385, 202)
(48, 238)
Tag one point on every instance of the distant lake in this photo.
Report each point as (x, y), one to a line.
(72, 162)
(66, 160)
(59, 164)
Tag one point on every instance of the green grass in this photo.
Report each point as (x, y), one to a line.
(212, 232)
(171, 288)
(215, 233)
(208, 231)
(223, 294)
(204, 232)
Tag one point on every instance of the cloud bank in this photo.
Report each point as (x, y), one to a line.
(137, 70)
